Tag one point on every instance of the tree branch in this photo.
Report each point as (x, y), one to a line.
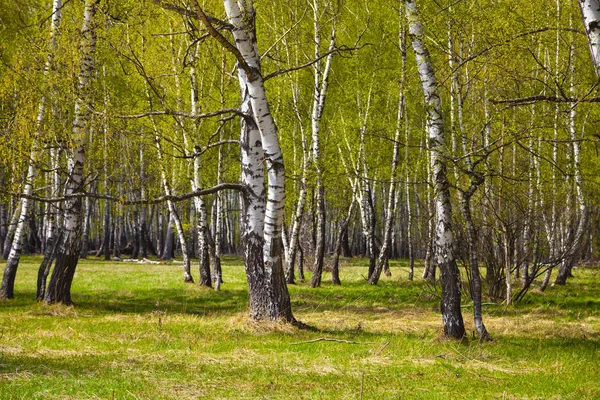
(120, 200)
(510, 39)
(324, 339)
(251, 73)
(191, 14)
(537, 98)
(180, 114)
(308, 64)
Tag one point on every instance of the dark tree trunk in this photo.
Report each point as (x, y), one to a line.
(69, 248)
(473, 262)
(335, 269)
(320, 237)
(169, 251)
(346, 252)
(117, 237)
(136, 236)
(86, 229)
(46, 264)
(11, 231)
(8, 279)
(3, 225)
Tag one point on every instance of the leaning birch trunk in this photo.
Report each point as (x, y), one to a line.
(590, 12)
(444, 236)
(174, 216)
(10, 234)
(218, 233)
(476, 180)
(319, 96)
(69, 246)
(575, 245)
(52, 232)
(269, 297)
(292, 248)
(14, 255)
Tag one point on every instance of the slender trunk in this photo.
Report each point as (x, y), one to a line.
(196, 183)
(444, 236)
(174, 216)
(52, 223)
(474, 264)
(292, 247)
(576, 243)
(168, 249)
(319, 96)
(12, 263)
(343, 232)
(85, 236)
(384, 253)
(315, 280)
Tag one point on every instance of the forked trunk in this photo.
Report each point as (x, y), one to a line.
(69, 245)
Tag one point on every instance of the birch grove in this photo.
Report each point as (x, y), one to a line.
(306, 137)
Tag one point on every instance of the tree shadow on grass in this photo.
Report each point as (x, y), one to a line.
(193, 301)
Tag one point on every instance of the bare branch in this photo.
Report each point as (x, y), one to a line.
(180, 114)
(338, 50)
(537, 98)
(191, 14)
(251, 73)
(324, 339)
(510, 39)
(120, 200)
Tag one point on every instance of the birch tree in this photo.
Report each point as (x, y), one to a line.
(69, 245)
(590, 12)
(263, 214)
(12, 263)
(444, 235)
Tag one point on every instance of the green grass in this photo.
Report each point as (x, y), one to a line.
(138, 332)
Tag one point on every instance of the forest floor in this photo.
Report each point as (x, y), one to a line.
(139, 332)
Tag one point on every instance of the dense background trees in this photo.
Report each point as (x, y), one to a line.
(163, 117)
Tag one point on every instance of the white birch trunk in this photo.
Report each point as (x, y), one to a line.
(292, 248)
(196, 183)
(384, 253)
(269, 279)
(59, 289)
(12, 263)
(590, 12)
(574, 245)
(319, 96)
(444, 236)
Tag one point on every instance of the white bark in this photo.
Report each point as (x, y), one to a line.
(590, 12)
(444, 236)
(321, 80)
(384, 253)
(6, 291)
(292, 247)
(70, 244)
(269, 297)
(196, 184)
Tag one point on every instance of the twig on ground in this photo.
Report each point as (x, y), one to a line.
(324, 339)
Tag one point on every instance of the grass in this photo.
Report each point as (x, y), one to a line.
(138, 332)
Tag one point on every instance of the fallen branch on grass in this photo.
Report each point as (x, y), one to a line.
(323, 339)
